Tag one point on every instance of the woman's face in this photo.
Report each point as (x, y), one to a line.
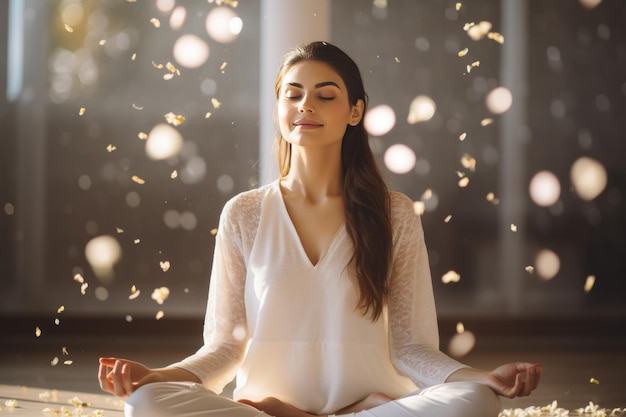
(313, 105)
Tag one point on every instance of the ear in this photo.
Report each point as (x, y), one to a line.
(357, 113)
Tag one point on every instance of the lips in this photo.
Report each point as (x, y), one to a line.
(306, 123)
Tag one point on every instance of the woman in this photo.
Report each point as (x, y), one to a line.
(321, 300)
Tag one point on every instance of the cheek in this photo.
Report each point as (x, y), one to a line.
(283, 114)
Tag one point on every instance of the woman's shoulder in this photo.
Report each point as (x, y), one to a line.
(403, 213)
(246, 204)
(401, 205)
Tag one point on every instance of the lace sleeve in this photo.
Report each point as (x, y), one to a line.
(413, 331)
(225, 328)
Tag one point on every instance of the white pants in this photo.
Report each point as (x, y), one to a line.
(181, 399)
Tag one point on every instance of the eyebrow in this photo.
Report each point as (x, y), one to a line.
(318, 85)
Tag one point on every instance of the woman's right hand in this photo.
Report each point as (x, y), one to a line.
(121, 377)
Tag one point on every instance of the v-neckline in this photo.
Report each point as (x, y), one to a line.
(296, 235)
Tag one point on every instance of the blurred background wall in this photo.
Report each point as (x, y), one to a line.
(527, 227)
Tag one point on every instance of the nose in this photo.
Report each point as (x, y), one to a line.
(305, 105)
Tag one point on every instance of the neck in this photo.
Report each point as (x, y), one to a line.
(315, 173)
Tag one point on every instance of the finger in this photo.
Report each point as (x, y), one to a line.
(116, 376)
(126, 378)
(533, 378)
(518, 386)
(527, 388)
(248, 403)
(108, 361)
(105, 385)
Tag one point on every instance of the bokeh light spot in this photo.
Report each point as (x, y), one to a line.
(499, 100)
(461, 343)
(102, 253)
(399, 159)
(223, 24)
(191, 51)
(422, 109)
(163, 142)
(178, 17)
(589, 178)
(380, 120)
(590, 4)
(547, 264)
(545, 188)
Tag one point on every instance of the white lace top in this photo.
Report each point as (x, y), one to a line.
(290, 329)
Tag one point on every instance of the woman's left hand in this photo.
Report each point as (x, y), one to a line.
(516, 379)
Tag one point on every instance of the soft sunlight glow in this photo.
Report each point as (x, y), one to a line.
(422, 109)
(379, 120)
(545, 189)
(191, 51)
(499, 100)
(102, 253)
(178, 17)
(589, 178)
(547, 264)
(163, 142)
(399, 159)
(223, 24)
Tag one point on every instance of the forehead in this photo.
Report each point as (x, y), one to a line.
(308, 73)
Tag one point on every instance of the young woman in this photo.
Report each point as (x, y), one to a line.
(320, 298)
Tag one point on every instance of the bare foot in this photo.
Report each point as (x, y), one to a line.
(371, 401)
(277, 408)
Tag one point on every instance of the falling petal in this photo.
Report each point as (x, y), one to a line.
(450, 276)
(495, 36)
(174, 119)
(468, 162)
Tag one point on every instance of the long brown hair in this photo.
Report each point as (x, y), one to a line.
(365, 194)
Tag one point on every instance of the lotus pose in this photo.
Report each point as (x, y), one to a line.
(320, 299)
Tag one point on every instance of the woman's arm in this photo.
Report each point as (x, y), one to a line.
(225, 326)
(413, 330)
